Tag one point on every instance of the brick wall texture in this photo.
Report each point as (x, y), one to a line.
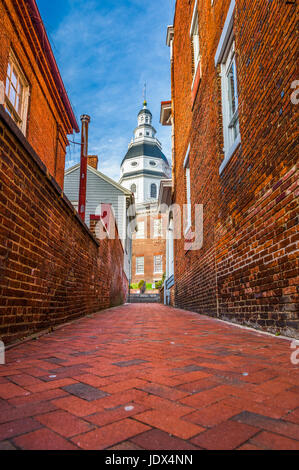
(52, 270)
(47, 122)
(247, 269)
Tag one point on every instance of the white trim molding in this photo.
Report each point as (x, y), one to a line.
(188, 189)
(186, 160)
(193, 17)
(170, 35)
(230, 153)
(226, 32)
(195, 42)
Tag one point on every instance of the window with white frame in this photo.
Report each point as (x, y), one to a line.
(157, 228)
(140, 265)
(158, 264)
(226, 58)
(230, 98)
(188, 191)
(194, 34)
(16, 93)
(140, 231)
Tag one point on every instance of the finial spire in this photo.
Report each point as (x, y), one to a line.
(144, 96)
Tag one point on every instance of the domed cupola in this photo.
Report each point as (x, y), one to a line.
(144, 164)
(144, 128)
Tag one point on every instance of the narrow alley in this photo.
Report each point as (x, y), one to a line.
(150, 377)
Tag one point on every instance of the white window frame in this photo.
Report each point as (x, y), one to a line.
(225, 56)
(156, 269)
(231, 141)
(140, 234)
(194, 35)
(18, 115)
(135, 193)
(137, 271)
(188, 190)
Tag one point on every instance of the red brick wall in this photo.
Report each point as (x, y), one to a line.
(48, 123)
(51, 268)
(246, 270)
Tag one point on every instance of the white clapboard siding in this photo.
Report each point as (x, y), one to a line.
(98, 191)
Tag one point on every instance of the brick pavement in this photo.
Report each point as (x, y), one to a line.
(150, 377)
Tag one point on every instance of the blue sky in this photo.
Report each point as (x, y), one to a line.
(106, 50)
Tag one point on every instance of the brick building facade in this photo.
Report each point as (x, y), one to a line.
(31, 87)
(150, 247)
(235, 136)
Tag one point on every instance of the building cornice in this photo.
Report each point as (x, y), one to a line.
(143, 173)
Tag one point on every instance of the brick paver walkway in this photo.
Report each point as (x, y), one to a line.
(150, 377)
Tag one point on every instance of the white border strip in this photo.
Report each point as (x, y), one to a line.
(230, 153)
(193, 18)
(186, 160)
(227, 29)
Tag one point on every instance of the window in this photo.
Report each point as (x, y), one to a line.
(134, 188)
(153, 191)
(140, 230)
(158, 264)
(188, 190)
(230, 100)
(152, 163)
(225, 57)
(194, 34)
(16, 93)
(157, 228)
(134, 164)
(140, 265)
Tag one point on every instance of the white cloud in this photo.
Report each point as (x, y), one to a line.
(106, 51)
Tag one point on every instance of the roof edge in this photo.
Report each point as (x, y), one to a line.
(44, 40)
(136, 144)
(101, 175)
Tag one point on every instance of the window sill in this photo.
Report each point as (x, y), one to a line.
(230, 153)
